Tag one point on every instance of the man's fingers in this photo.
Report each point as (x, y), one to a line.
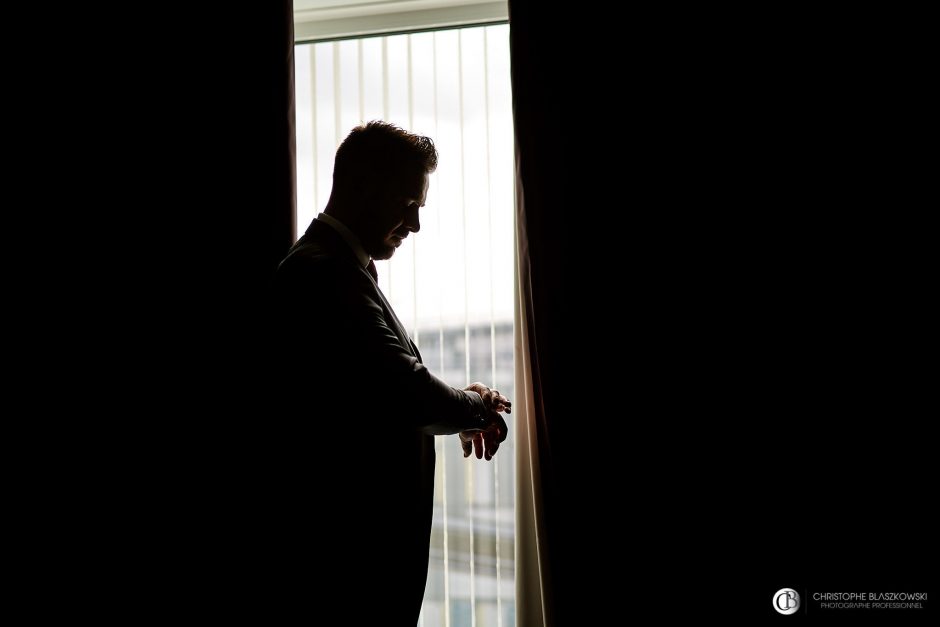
(501, 403)
(500, 430)
(493, 400)
(486, 443)
(491, 445)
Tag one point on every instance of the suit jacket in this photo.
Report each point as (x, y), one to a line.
(352, 374)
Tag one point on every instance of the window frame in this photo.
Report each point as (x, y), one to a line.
(313, 24)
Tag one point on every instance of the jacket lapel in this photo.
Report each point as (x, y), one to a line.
(325, 233)
(393, 320)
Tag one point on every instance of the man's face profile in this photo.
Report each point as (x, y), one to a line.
(395, 215)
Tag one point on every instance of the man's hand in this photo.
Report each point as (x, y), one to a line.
(486, 441)
(493, 400)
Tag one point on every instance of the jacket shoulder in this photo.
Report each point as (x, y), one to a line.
(312, 262)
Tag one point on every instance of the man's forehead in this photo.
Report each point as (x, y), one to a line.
(417, 187)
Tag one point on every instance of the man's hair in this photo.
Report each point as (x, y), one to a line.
(379, 152)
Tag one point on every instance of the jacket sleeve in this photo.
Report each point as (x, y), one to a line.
(349, 310)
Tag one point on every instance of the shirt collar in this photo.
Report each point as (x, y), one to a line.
(347, 235)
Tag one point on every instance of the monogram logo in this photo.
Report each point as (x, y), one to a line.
(787, 601)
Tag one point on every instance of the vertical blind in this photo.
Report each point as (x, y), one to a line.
(452, 283)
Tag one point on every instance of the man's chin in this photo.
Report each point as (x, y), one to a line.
(385, 252)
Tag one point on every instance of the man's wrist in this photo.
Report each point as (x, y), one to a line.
(476, 410)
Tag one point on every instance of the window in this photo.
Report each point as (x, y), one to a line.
(452, 283)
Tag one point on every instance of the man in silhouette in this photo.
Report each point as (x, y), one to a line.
(356, 378)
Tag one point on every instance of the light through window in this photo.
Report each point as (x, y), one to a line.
(452, 283)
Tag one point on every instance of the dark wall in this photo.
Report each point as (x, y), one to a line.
(722, 203)
(165, 202)
(234, 103)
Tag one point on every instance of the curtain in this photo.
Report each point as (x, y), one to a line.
(533, 578)
(538, 119)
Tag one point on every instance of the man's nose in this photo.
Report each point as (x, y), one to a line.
(412, 223)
